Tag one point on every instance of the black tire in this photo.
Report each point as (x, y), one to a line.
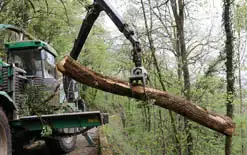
(5, 135)
(61, 145)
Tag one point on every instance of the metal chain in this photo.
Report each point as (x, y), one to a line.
(148, 101)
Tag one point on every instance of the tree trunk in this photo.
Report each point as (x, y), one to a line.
(178, 13)
(229, 67)
(82, 74)
(156, 65)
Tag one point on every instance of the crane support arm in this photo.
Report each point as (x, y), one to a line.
(92, 14)
(138, 73)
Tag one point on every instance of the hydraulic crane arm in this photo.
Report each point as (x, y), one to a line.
(138, 73)
(92, 14)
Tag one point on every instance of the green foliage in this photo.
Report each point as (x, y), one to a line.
(135, 137)
(35, 102)
(31, 105)
(240, 17)
(55, 22)
(46, 131)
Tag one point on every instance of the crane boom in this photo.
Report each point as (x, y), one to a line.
(138, 73)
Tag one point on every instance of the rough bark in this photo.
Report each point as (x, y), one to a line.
(229, 67)
(82, 74)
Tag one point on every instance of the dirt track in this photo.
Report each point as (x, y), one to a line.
(82, 147)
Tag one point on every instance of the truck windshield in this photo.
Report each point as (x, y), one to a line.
(27, 59)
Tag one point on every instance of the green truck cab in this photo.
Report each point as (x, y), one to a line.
(33, 62)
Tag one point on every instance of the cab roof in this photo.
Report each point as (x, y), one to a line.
(28, 44)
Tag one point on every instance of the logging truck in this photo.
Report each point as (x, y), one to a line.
(33, 62)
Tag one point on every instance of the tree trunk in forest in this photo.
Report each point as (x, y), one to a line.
(178, 13)
(156, 65)
(229, 67)
(82, 74)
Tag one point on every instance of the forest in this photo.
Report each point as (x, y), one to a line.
(192, 49)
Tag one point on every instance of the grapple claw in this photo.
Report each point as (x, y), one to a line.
(138, 74)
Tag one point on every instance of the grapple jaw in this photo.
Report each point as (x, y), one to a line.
(138, 75)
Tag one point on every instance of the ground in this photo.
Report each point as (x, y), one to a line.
(82, 147)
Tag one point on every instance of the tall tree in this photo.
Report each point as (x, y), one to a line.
(178, 13)
(227, 21)
(149, 30)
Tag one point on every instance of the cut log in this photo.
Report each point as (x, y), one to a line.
(82, 74)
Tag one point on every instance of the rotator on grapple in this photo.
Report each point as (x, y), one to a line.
(138, 73)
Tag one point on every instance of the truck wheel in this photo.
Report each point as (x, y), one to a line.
(5, 135)
(61, 145)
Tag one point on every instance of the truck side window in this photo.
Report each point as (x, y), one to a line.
(49, 64)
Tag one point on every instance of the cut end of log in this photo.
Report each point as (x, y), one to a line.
(60, 65)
